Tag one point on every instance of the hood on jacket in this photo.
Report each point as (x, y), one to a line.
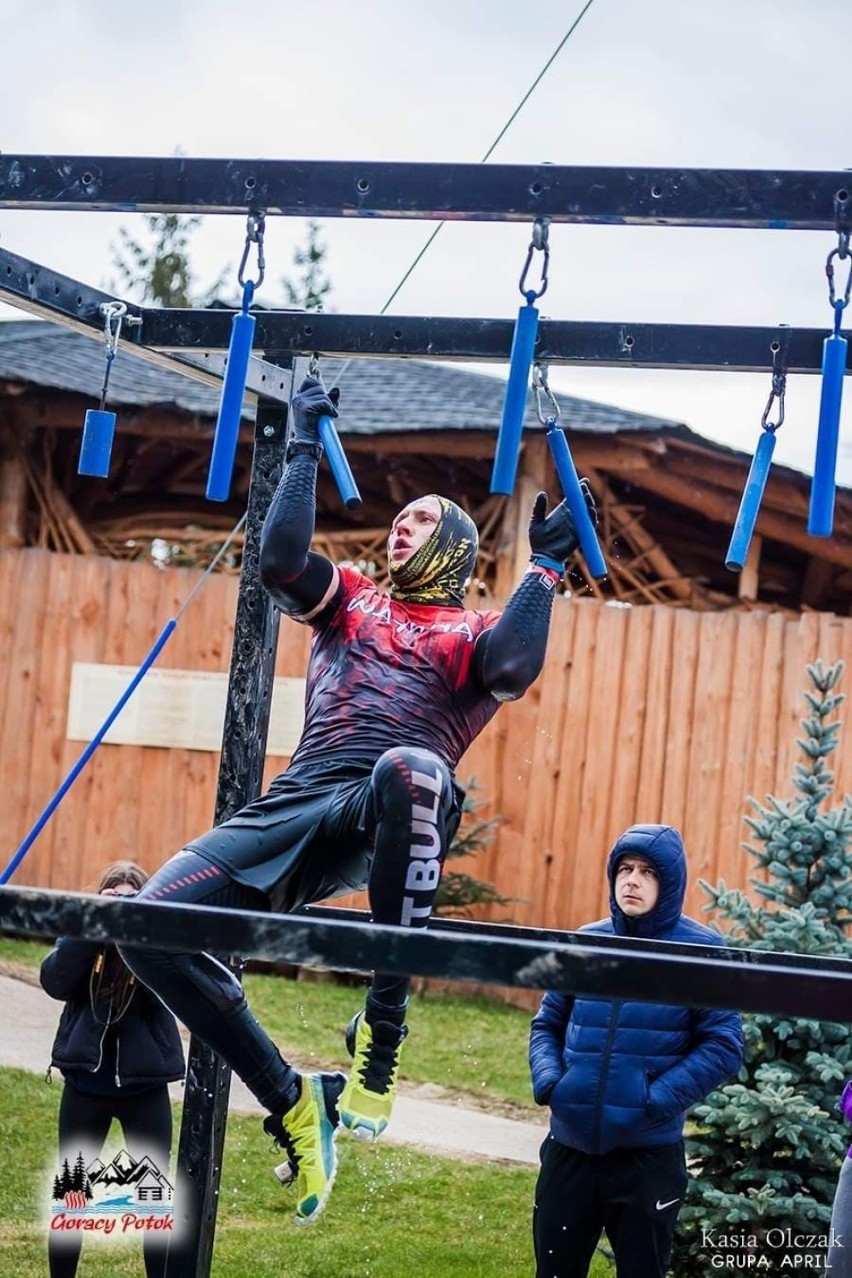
(662, 845)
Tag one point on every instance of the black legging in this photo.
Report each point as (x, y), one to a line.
(412, 814)
(84, 1120)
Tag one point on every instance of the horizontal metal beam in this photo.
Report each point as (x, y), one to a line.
(49, 295)
(571, 342)
(194, 341)
(691, 976)
(461, 192)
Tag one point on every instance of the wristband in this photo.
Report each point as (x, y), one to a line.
(298, 446)
(552, 565)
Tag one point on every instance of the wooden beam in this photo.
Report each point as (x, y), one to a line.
(13, 501)
(640, 539)
(722, 507)
(748, 586)
(816, 583)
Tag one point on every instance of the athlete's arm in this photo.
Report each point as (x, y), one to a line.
(300, 582)
(508, 657)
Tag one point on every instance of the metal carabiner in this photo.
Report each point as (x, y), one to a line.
(543, 394)
(255, 229)
(540, 242)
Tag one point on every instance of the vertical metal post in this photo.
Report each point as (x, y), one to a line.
(202, 1135)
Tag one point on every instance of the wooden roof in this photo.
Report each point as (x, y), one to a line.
(668, 497)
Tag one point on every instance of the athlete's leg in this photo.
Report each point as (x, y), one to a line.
(201, 990)
(413, 815)
(204, 994)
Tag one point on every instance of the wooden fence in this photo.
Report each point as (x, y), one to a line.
(642, 714)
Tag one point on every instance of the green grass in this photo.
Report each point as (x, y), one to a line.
(393, 1211)
(469, 1045)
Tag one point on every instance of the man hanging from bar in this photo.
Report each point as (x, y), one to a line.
(398, 686)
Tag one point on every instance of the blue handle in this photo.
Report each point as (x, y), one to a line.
(96, 444)
(340, 468)
(821, 513)
(230, 408)
(157, 647)
(514, 405)
(576, 502)
(750, 504)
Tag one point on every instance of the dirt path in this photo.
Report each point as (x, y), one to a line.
(424, 1116)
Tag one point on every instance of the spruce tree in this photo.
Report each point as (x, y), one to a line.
(767, 1148)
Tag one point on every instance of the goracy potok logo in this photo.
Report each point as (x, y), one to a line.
(125, 1197)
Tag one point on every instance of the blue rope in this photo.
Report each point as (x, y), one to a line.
(157, 647)
(159, 643)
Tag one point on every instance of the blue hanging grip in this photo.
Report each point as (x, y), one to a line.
(512, 424)
(231, 405)
(96, 444)
(750, 504)
(340, 467)
(834, 352)
(575, 501)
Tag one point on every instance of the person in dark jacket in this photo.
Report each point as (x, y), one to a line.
(619, 1078)
(118, 1048)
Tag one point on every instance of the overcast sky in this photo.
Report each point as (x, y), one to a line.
(727, 84)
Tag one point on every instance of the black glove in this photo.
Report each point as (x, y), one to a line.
(311, 403)
(553, 537)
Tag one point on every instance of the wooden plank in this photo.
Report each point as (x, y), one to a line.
(633, 711)
(730, 861)
(23, 657)
(800, 649)
(708, 741)
(602, 746)
(48, 710)
(569, 837)
(540, 838)
(681, 709)
(653, 748)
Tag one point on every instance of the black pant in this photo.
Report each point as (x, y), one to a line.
(632, 1194)
(84, 1121)
(410, 809)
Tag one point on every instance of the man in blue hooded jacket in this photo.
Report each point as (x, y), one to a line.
(619, 1078)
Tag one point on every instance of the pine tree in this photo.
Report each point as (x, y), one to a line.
(765, 1157)
(159, 270)
(312, 287)
(65, 1184)
(57, 1189)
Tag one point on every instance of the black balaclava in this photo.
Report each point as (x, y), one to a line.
(439, 571)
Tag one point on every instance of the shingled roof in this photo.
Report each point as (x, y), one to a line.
(379, 396)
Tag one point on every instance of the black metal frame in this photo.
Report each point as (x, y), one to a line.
(783, 984)
(201, 336)
(578, 962)
(460, 192)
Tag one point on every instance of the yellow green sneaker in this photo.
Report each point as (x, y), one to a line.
(366, 1101)
(307, 1132)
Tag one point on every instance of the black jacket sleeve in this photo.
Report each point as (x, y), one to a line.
(509, 656)
(65, 971)
(296, 579)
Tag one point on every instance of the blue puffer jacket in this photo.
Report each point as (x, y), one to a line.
(621, 1075)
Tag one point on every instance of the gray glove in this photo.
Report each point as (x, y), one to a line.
(311, 403)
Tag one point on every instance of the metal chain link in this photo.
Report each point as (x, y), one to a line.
(842, 252)
(113, 313)
(544, 395)
(540, 242)
(779, 384)
(255, 228)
